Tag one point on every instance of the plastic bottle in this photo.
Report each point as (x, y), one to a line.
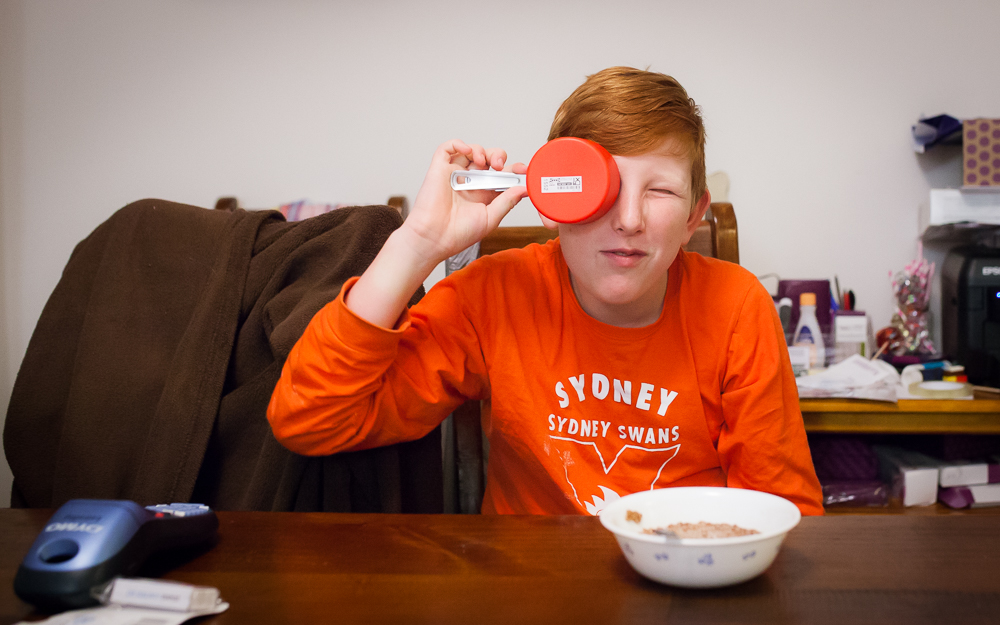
(807, 332)
(784, 306)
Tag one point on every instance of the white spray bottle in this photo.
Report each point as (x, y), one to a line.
(807, 332)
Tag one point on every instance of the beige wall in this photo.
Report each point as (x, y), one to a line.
(808, 108)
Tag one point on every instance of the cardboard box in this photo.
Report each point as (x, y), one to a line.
(971, 496)
(912, 476)
(969, 473)
(981, 153)
(953, 206)
(983, 493)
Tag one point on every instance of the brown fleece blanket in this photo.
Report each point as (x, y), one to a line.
(149, 372)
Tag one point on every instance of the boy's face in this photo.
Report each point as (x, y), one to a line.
(618, 263)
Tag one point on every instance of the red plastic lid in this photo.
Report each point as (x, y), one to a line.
(572, 180)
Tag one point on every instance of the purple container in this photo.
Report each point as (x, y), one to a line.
(793, 288)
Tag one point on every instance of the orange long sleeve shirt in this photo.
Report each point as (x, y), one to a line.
(581, 412)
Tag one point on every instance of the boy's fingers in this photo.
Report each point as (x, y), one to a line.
(477, 157)
(450, 148)
(496, 158)
(474, 156)
(502, 204)
(479, 196)
(454, 152)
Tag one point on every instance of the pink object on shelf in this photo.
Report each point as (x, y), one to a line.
(303, 209)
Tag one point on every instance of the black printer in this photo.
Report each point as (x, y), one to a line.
(970, 312)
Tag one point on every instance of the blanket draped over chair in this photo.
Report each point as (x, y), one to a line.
(149, 372)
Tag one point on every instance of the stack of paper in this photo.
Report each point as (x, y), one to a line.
(856, 377)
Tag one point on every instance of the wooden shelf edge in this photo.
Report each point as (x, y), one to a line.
(904, 406)
(906, 423)
(857, 416)
(894, 507)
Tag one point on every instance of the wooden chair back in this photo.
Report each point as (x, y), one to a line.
(466, 452)
(715, 236)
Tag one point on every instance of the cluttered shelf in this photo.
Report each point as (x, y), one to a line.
(895, 506)
(914, 456)
(980, 415)
(917, 430)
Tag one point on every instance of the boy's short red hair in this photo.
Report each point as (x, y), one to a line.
(631, 112)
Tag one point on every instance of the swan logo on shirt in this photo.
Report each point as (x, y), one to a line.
(599, 503)
(621, 443)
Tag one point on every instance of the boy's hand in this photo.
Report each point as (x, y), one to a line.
(441, 223)
(444, 222)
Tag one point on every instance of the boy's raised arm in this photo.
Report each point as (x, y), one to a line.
(441, 223)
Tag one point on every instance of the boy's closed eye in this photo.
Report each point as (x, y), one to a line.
(665, 193)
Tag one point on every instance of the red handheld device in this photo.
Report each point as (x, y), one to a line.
(569, 180)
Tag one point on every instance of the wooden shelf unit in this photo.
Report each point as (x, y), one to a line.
(910, 416)
(980, 415)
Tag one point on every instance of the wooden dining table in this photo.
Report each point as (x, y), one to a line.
(382, 568)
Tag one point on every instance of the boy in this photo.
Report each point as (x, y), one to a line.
(614, 361)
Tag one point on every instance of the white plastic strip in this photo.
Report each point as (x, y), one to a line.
(486, 179)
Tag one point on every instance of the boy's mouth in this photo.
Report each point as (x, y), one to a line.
(624, 257)
(625, 252)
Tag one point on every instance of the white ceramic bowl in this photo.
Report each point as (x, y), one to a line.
(701, 562)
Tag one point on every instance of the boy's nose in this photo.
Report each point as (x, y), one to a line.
(628, 214)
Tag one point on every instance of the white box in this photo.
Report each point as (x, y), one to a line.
(852, 332)
(949, 206)
(912, 476)
(974, 496)
(965, 474)
(799, 357)
(985, 495)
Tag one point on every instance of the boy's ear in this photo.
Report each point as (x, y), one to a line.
(548, 223)
(697, 214)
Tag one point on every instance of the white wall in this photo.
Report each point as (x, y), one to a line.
(808, 107)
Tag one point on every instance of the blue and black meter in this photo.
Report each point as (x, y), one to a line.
(87, 542)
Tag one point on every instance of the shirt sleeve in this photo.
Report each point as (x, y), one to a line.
(762, 444)
(350, 385)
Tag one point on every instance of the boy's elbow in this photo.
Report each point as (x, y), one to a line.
(308, 431)
(287, 427)
(294, 438)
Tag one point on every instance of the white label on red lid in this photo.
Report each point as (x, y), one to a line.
(562, 184)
